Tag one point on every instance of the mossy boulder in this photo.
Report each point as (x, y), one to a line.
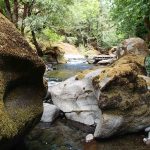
(114, 100)
(21, 85)
(123, 97)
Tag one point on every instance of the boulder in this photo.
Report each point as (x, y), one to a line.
(135, 46)
(50, 113)
(62, 52)
(21, 85)
(123, 97)
(115, 100)
(76, 98)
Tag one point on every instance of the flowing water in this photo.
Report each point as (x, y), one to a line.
(62, 135)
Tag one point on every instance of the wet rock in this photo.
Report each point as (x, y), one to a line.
(21, 85)
(50, 113)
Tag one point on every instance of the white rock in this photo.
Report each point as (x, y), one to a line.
(50, 113)
(146, 141)
(147, 129)
(89, 138)
(77, 99)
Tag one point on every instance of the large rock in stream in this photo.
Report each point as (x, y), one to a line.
(115, 99)
(21, 85)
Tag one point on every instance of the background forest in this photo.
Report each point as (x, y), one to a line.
(99, 23)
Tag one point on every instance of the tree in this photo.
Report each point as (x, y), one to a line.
(35, 15)
(131, 16)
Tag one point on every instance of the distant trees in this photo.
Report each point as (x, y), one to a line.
(132, 17)
(35, 15)
(88, 22)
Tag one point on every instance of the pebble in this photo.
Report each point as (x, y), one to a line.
(89, 138)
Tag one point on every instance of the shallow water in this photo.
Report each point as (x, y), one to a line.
(64, 71)
(62, 135)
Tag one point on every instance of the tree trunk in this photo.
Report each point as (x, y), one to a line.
(38, 48)
(15, 18)
(1, 11)
(24, 15)
(147, 25)
(8, 10)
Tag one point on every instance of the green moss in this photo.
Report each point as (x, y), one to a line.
(12, 123)
(61, 74)
(82, 74)
(24, 115)
(95, 82)
(7, 127)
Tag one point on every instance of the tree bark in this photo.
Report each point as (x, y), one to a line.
(147, 25)
(1, 11)
(24, 15)
(38, 48)
(8, 10)
(16, 5)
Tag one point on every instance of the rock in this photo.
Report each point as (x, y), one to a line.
(114, 99)
(21, 85)
(120, 92)
(62, 52)
(50, 113)
(48, 96)
(147, 129)
(75, 97)
(147, 79)
(136, 46)
(147, 140)
(106, 62)
(89, 138)
(113, 50)
(123, 97)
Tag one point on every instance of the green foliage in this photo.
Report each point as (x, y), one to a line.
(82, 22)
(89, 22)
(129, 15)
(52, 36)
(2, 6)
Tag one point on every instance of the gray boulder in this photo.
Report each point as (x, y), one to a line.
(76, 98)
(114, 99)
(50, 113)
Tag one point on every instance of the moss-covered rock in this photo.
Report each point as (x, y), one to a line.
(21, 85)
(123, 96)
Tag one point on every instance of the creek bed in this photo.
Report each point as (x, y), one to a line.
(63, 136)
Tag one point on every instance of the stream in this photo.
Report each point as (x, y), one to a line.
(63, 135)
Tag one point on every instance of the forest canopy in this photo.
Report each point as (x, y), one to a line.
(98, 23)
